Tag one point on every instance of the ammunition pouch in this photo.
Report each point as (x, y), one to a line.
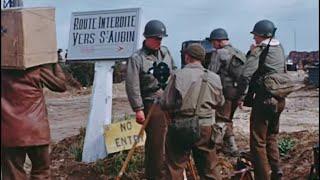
(186, 131)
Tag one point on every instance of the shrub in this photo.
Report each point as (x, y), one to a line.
(82, 72)
(77, 147)
(285, 145)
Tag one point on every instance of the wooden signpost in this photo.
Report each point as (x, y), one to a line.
(102, 37)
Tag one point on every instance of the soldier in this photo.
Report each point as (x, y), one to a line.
(191, 96)
(24, 120)
(266, 56)
(228, 63)
(143, 87)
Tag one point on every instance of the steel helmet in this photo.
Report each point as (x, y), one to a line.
(218, 34)
(155, 28)
(264, 28)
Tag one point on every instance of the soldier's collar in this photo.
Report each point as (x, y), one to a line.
(227, 45)
(150, 52)
(273, 42)
(194, 66)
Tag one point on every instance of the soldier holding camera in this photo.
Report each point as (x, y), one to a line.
(147, 72)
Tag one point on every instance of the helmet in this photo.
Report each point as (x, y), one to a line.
(155, 28)
(218, 34)
(264, 28)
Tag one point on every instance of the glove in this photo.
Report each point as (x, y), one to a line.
(140, 116)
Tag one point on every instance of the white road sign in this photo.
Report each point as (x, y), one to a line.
(109, 34)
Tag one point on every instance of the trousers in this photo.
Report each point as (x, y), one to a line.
(264, 129)
(156, 132)
(225, 114)
(13, 158)
(203, 152)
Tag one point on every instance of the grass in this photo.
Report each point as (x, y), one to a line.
(136, 162)
(77, 147)
(100, 166)
(285, 146)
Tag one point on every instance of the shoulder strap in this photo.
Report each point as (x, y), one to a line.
(202, 88)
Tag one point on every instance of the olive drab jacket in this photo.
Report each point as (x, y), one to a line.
(181, 94)
(228, 62)
(274, 62)
(24, 117)
(141, 85)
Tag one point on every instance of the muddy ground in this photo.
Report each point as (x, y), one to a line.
(68, 113)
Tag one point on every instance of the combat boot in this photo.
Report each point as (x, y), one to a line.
(276, 175)
(230, 147)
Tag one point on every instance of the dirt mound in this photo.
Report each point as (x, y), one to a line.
(67, 153)
(300, 159)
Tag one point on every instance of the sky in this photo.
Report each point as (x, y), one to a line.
(297, 20)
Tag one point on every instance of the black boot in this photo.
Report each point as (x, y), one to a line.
(230, 147)
(276, 175)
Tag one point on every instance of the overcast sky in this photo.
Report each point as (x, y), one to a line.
(195, 19)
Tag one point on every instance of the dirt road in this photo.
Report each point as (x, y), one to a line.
(69, 111)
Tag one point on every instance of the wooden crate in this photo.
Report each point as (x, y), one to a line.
(28, 37)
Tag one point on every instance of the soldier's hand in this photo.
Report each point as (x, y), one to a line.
(252, 47)
(240, 104)
(159, 93)
(140, 117)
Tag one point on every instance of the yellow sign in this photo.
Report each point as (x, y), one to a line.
(121, 135)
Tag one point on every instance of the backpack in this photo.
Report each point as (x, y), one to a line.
(280, 84)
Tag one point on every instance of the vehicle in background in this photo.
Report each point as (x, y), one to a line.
(205, 44)
(291, 66)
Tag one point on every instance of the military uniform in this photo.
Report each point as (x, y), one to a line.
(191, 96)
(228, 62)
(266, 110)
(142, 89)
